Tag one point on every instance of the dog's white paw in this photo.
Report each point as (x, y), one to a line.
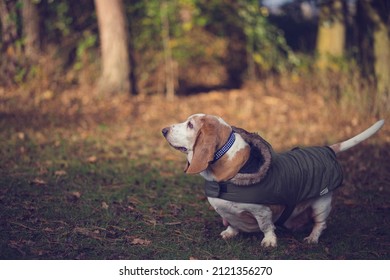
(269, 240)
(268, 243)
(228, 233)
(311, 240)
(315, 233)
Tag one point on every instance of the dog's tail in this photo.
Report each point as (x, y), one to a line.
(345, 145)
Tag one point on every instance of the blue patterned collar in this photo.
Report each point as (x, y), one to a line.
(223, 150)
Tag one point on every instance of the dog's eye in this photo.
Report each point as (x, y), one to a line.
(190, 125)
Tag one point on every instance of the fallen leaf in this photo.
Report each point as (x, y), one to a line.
(73, 196)
(153, 222)
(140, 241)
(47, 229)
(104, 205)
(133, 200)
(76, 194)
(60, 173)
(87, 232)
(21, 135)
(47, 95)
(83, 231)
(173, 223)
(327, 250)
(38, 182)
(351, 202)
(92, 159)
(38, 252)
(43, 171)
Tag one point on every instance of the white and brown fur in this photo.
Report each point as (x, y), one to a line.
(201, 135)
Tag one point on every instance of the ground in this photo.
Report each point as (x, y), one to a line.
(87, 176)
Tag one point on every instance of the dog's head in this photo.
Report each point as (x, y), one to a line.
(199, 137)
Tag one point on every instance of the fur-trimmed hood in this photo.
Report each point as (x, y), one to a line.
(259, 162)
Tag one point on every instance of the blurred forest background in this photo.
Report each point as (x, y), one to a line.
(182, 47)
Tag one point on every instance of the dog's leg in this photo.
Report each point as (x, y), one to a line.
(230, 232)
(321, 209)
(267, 227)
(269, 239)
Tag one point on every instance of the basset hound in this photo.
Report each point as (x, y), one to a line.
(254, 188)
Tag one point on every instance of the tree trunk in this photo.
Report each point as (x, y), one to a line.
(30, 19)
(236, 63)
(378, 16)
(331, 33)
(382, 62)
(9, 29)
(381, 52)
(133, 64)
(113, 42)
(10, 54)
(169, 71)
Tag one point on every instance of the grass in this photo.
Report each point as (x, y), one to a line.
(99, 182)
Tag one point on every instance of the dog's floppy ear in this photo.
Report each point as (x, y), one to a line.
(204, 149)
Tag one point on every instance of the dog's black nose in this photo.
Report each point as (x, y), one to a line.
(165, 131)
